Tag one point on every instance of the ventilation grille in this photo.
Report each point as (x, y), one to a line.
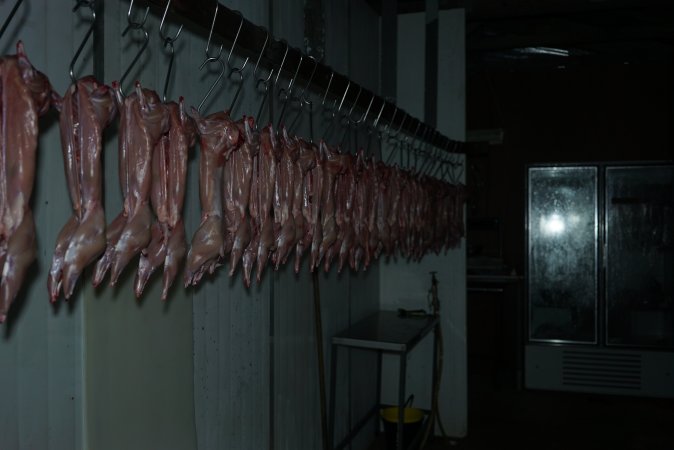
(601, 369)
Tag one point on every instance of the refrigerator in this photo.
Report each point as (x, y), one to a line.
(600, 279)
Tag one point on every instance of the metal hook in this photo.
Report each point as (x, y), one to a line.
(215, 83)
(373, 127)
(452, 164)
(376, 121)
(266, 82)
(11, 16)
(388, 125)
(283, 61)
(210, 59)
(347, 117)
(133, 24)
(409, 141)
(210, 36)
(407, 147)
(239, 72)
(285, 94)
(327, 89)
(438, 165)
(398, 145)
(353, 106)
(441, 160)
(265, 94)
(429, 155)
(236, 70)
(291, 84)
(451, 170)
(393, 136)
(336, 111)
(146, 38)
(168, 43)
(431, 159)
(414, 135)
(168, 39)
(431, 167)
(303, 100)
(90, 4)
(257, 63)
(311, 78)
(457, 164)
(229, 56)
(367, 112)
(348, 85)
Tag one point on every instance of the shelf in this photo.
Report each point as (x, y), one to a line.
(386, 331)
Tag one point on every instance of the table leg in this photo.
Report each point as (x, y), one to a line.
(333, 385)
(434, 378)
(401, 399)
(379, 358)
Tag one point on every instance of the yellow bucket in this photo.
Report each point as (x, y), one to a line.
(410, 415)
(412, 420)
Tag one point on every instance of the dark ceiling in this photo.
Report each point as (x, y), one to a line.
(553, 33)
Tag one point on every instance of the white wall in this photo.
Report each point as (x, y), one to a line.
(405, 285)
(345, 298)
(452, 74)
(139, 354)
(218, 366)
(41, 387)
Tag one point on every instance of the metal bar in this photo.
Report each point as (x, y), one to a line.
(272, 372)
(379, 364)
(10, 16)
(198, 14)
(359, 426)
(401, 400)
(434, 379)
(333, 386)
(318, 322)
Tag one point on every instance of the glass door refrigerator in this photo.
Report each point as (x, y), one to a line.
(600, 276)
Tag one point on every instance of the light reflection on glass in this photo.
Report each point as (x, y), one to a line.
(553, 225)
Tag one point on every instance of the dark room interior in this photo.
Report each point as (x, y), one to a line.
(336, 224)
(555, 83)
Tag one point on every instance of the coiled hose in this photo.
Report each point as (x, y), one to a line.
(434, 415)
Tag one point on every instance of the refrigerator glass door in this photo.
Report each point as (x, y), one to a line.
(640, 256)
(562, 260)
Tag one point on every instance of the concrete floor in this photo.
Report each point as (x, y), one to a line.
(501, 417)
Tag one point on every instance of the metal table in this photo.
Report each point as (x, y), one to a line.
(383, 332)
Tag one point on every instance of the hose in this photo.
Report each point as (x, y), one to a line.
(318, 322)
(434, 415)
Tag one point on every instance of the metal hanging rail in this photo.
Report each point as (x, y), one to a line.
(252, 39)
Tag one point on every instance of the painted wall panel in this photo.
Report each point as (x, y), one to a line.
(336, 34)
(363, 286)
(219, 366)
(404, 284)
(139, 354)
(364, 62)
(231, 323)
(452, 74)
(344, 297)
(40, 345)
